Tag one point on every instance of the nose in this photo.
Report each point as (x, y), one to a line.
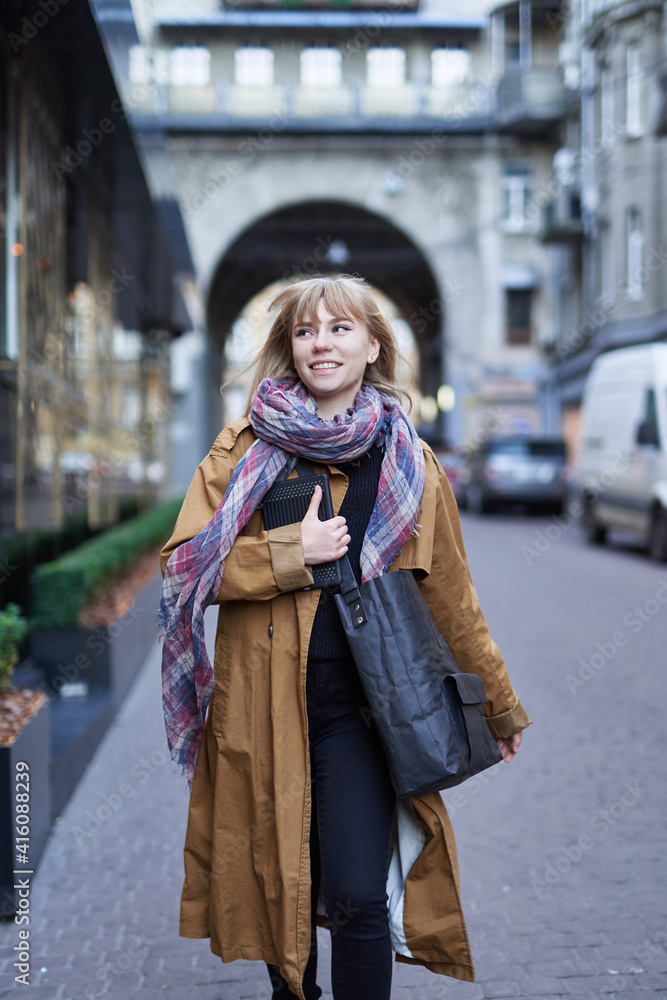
(323, 339)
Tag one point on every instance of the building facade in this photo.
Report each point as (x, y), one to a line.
(399, 141)
(88, 299)
(606, 218)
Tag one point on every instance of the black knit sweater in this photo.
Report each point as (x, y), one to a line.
(327, 640)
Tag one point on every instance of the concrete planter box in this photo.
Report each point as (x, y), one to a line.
(32, 747)
(105, 658)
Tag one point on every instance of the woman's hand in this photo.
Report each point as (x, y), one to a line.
(509, 746)
(323, 541)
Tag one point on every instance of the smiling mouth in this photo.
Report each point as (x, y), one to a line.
(325, 366)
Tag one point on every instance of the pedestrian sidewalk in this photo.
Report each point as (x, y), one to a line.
(105, 900)
(104, 904)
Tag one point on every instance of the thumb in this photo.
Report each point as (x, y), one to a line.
(314, 504)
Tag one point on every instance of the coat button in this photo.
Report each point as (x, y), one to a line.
(270, 629)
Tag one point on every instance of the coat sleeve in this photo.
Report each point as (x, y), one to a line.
(259, 566)
(452, 600)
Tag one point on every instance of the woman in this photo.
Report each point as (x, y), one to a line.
(293, 821)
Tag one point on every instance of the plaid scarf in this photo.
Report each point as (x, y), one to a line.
(284, 418)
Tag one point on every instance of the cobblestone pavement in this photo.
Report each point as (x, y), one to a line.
(562, 853)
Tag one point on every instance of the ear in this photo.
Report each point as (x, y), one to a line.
(373, 350)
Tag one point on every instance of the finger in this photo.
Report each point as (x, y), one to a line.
(314, 502)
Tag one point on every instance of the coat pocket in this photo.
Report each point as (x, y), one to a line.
(220, 697)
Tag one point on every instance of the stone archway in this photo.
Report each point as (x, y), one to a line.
(325, 236)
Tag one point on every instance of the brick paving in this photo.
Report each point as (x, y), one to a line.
(561, 853)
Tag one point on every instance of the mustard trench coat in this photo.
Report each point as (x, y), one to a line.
(246, 853)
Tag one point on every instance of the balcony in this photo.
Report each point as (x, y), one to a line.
(224, 105)
(528, 100)
(562, 222)
(321, 5)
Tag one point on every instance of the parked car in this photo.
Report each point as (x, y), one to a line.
(514, 469)
(451, 462)
(621, 468)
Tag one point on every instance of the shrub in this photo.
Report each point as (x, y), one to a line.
(13, 630)
(23, 551)
(61, 588)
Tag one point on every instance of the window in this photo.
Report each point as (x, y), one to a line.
(605, 261)
(449, 67)
(130, 412)
(519, 302)
(648, 431)
(148, 65)
(385, 66)
(607, 107)
(516, 189)
(253, 66)
(634, 125)
(189, 66)
(140, 64)
(634, 255)
(321, 66)
(512, 53)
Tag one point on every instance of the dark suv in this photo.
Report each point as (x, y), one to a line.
(514, 469)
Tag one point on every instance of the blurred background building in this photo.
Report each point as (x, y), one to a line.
(89, 284)
(495, 171)
(404, 142)
(606, 214)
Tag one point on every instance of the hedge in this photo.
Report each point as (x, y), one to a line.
(23, 551)
(61, 588)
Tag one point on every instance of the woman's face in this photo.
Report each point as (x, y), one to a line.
(330, 357)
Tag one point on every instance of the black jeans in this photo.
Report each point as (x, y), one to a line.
(353, 807)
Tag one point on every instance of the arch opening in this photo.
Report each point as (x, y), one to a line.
(324, 236)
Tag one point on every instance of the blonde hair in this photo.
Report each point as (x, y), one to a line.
(345, 295)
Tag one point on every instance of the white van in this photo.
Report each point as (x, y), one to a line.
(621, 466)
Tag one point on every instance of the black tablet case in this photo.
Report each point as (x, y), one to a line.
(287, 502)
